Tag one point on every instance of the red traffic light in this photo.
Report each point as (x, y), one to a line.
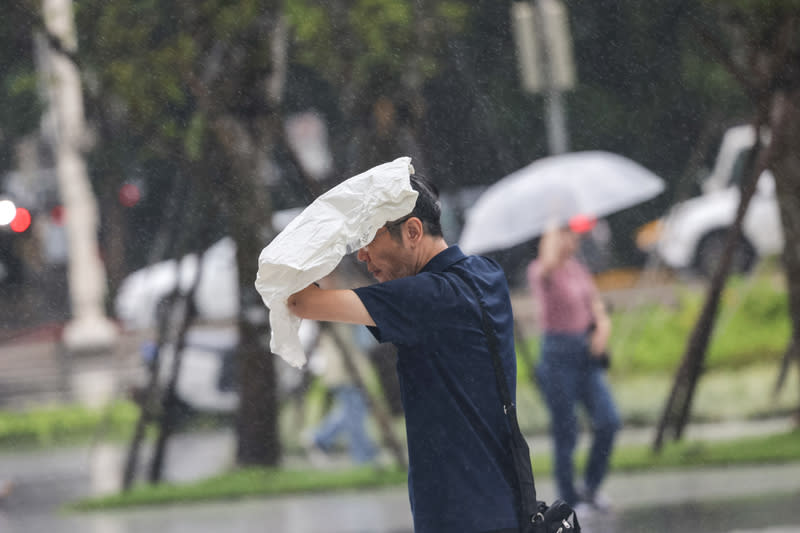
(57, 215)
(129, 195)
(22, 220)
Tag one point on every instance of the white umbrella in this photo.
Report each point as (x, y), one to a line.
(522, 205)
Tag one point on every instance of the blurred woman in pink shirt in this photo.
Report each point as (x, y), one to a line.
(575, 331)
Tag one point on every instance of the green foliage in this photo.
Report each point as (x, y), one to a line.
(250, 483)
(140, 60)
(766, 9)
(383, 28)
(754, 324)
(365, 41)
(195, 133)
(771, 449)
(655, 336)
(778, 448)
(586, 103)
(752, 327)
(20, 108)
(752, 27)
(64, 424)
(158, 60)
(228, 18)
(710, 82)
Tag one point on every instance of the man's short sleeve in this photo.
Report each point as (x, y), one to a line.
(406, 310)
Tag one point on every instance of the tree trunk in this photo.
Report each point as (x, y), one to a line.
(786, 168)
(248, 142)
(678, 406)
(250, 211)
(257, 420)
(186, 311)
(257, 417)
(771, 80)
(149, 400)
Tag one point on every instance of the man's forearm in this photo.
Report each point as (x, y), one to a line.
(329, 306)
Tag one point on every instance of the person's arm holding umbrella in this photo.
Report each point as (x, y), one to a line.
(551, 251)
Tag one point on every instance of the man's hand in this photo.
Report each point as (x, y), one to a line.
(598, 343)
(329, 306)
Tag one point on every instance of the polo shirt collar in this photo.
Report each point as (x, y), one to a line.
(444, 259)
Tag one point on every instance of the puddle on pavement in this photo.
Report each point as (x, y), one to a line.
(778, 513)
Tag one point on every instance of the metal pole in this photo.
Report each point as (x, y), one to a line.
(553, 96)
(556, 121)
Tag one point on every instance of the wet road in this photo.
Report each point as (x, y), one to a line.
(382, 511)
(385, 511)
(762, 499)
(765, 514)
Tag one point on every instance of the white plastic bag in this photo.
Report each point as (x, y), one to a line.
(337, 223)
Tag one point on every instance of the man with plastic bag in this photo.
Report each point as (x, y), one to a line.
(461, 474)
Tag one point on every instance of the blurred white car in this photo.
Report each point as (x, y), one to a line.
(692, 235)
(216, 297)
(207, 381)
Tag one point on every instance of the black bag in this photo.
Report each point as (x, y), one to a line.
(554, 519)
(535, 515)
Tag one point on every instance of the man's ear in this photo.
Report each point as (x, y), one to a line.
(413, 229)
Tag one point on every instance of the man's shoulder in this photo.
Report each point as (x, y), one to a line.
(478, 267)
(416, 287)
(475, 261)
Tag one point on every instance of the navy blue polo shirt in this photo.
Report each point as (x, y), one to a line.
(460, 468)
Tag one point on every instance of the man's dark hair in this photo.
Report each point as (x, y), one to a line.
(427, 209)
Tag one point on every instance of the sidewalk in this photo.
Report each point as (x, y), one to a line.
(36, 370)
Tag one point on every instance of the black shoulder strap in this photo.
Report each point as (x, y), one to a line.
(519, 447)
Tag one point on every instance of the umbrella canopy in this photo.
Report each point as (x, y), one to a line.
(552, 190)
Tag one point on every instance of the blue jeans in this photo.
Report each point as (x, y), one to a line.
(567, 376)
(348, 415)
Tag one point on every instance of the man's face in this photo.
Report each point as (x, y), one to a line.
(386, 258)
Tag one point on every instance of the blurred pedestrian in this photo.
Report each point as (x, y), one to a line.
(6, 487)
(349, 412)
(575, 329)
(429, 303)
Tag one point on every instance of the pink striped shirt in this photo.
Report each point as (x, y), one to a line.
(563, 300)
